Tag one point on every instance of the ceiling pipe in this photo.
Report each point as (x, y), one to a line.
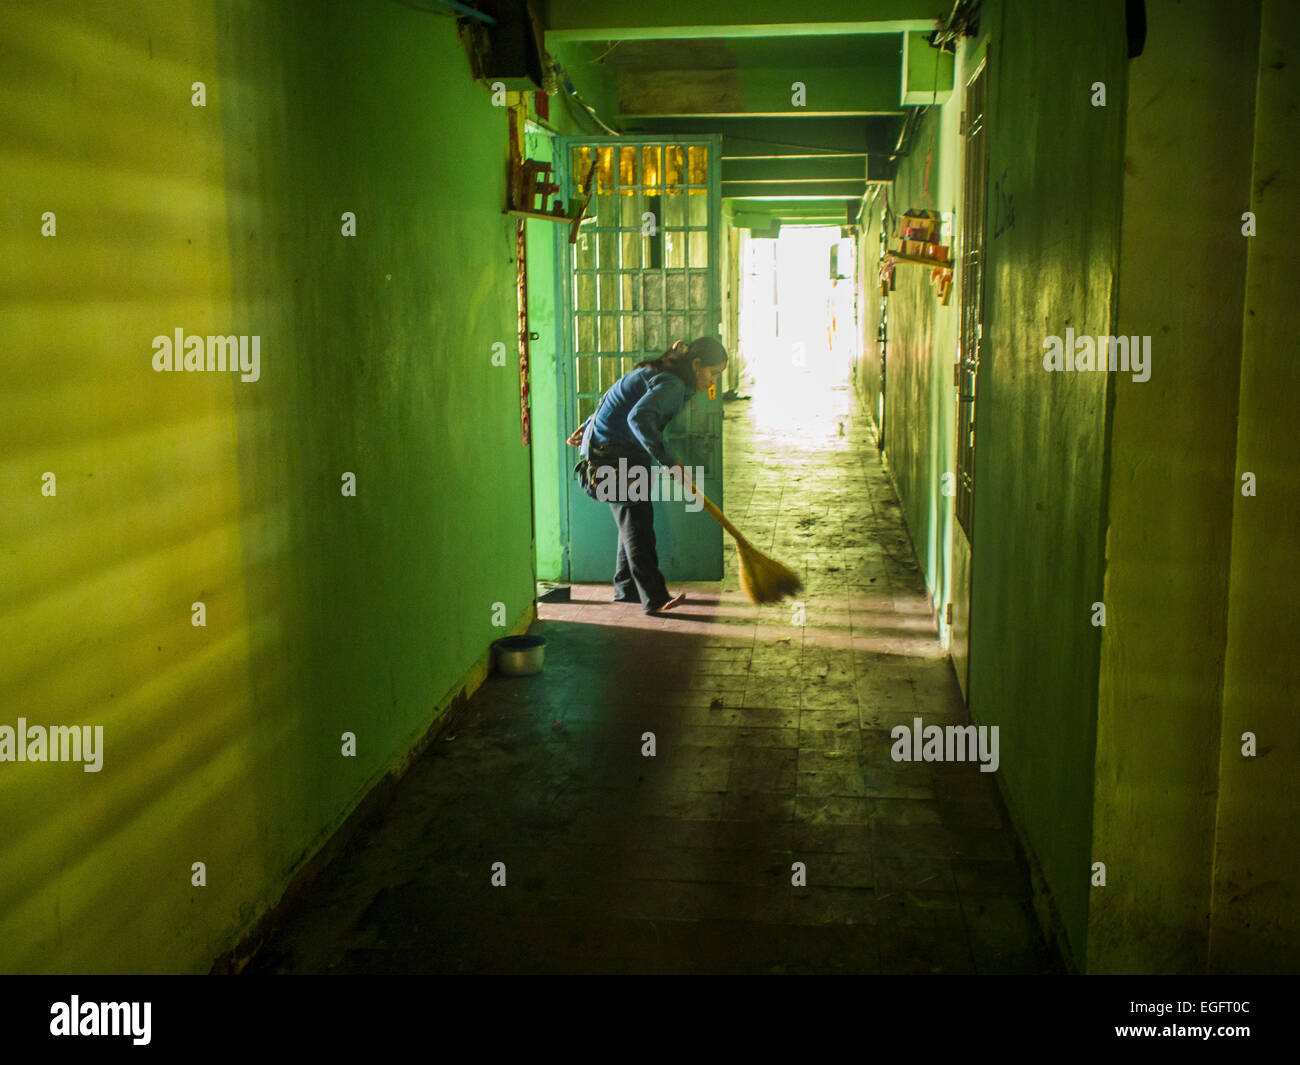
(468, 12)
(450, 5)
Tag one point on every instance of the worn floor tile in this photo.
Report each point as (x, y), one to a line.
(773, 747)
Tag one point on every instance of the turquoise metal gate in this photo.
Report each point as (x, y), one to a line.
(643, 275)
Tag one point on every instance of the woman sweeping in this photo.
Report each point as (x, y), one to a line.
(629, 424)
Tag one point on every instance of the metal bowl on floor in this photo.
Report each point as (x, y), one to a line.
(519, 656)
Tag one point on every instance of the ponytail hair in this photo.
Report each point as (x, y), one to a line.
(680, 357)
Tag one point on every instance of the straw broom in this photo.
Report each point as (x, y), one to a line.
(764, 580)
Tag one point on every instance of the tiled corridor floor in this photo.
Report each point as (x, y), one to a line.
(773, 748)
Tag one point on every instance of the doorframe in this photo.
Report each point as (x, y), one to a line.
(559, 238)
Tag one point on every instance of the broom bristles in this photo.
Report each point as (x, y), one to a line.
(764, 580)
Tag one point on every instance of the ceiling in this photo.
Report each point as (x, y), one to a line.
(793, 159)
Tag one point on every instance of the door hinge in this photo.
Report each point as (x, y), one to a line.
(948, 615)
(956, 375)
(961, 125)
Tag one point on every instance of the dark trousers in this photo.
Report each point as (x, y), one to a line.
(636, 567)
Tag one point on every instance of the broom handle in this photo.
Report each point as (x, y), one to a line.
(718, 516)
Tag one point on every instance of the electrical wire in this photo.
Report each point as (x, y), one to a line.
(566, 85)
(601, 58)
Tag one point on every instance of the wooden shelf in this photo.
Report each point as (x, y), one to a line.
(920, 260)
(942, 283)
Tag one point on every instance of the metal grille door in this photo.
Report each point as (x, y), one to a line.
(643, 275)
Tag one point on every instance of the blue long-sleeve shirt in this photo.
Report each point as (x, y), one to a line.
(635, 412)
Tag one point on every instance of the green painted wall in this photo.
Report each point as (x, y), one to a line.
(920, 445)
(914, 351)
(1055, 163)
(324, 613)
(1255, 920)
(1186, 182)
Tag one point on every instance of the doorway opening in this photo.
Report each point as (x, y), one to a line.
(798, 328)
